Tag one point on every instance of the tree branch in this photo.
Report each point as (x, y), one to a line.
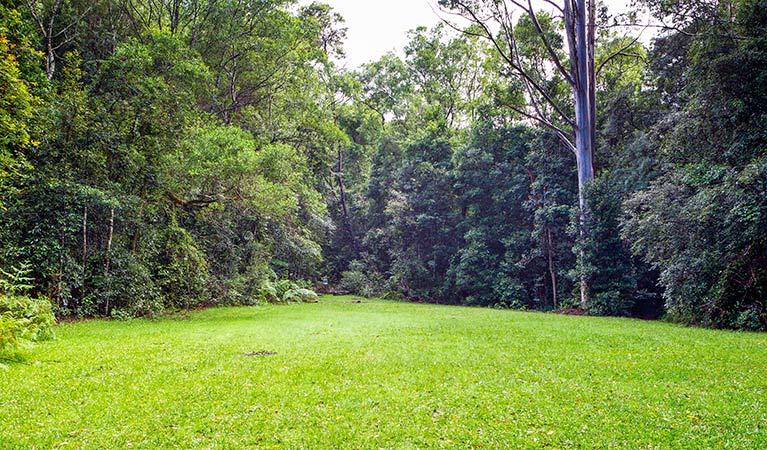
(546, 43)
(562, 134)
(508, 59)
(619, 52)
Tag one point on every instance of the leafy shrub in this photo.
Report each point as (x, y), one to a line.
(235, 290)
(16, 281)
(285, 291)
(300, 295)
(702, 227)
(358, 280)
(128, 291)
(282, 287)
(184, 274)
(24, 318)
(509, 292)
(268, 291)
(610, 303)
(752, 319)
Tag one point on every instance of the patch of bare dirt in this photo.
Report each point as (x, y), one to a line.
(260, 353)
(570, 312)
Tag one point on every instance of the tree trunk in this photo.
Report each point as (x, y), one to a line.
(109, 239)
(50, 58)
(584, 96)
(592, 28)
(60, 283)
(344, 209)
(85, 235)
(577, 133)
(109, 251)
(552, 269)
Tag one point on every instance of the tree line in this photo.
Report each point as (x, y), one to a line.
(163, 154)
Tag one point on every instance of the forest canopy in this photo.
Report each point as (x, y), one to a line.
(166, 154)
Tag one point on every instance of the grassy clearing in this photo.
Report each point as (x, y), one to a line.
(386, 375)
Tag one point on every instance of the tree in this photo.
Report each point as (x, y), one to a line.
(577, 131)
(18, 100)
(702, 221)
(514, 187)
(126, 190)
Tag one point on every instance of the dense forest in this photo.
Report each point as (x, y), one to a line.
(159, 155)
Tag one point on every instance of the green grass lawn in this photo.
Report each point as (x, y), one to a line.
(380, 374)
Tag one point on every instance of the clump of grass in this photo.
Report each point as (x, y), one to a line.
(377, 374)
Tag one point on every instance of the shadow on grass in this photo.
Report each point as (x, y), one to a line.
(13, 357)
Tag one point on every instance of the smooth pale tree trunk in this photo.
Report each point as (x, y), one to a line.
(109, 240)
(581, 45)
(85, 236)
(50, 58)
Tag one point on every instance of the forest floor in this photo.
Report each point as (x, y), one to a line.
(380, 374)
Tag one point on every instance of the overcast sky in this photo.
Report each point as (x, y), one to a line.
(376, 27)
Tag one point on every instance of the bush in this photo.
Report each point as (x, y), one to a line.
(285, 291)
(129, 290)
(24, 319)
(359, 281)
(752, 319)
(300, 295)
(610, 303)
(702, 227)
(184, 272)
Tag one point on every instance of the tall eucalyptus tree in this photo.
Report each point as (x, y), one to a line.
(575, 124)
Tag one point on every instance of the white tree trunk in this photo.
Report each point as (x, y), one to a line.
(581, 52)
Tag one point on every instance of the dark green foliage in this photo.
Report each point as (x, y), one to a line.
(711, 249)
(619, 283)
(361, 280)
(412, 218)
(184, 270)
(129, 289)
(511, 192)
(156, 183)
(702, 223)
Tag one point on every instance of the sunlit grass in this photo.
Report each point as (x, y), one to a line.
(376, 374)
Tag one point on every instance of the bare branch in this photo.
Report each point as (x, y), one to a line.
(546, 43)
(75, 22)
(35, 15)
(559, 8)
(563, 135)
(617, 53)
(510, 61)
(539, 117)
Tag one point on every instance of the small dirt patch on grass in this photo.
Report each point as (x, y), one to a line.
(260, 353)
(570, 312)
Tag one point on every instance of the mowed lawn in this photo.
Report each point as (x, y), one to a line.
(379, 374)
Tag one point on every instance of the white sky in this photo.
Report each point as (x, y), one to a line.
(376, 27)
